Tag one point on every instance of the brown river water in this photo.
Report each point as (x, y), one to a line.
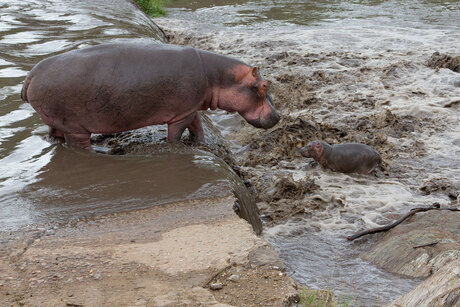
(367, 57)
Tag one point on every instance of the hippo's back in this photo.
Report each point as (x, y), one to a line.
(115, 87)
(114, 61)
(355, 157)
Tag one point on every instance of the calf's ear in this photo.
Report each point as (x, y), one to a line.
(318, 148)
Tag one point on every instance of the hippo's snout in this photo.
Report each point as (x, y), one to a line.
(304, 151)
(272, 119)
(265, 121)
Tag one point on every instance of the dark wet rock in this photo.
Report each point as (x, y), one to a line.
(152, 140)
(420, 246)
(438, 60)
(279, 196)
(441, 289)
(283, 186)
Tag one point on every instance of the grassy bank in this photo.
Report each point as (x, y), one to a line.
(153, 8)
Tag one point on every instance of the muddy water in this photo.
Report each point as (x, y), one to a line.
(46, 183)
(354, 71)
(342, 71)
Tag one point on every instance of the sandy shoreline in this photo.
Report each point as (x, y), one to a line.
(163, 256)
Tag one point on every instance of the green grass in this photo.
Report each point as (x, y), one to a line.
(307, 298)
(321, 298)
(153, 8)
(317, 298)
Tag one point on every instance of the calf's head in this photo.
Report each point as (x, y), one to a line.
(313, 150)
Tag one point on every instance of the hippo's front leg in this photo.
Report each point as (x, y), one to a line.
(177, 127)
(196, 129)
(80, 140)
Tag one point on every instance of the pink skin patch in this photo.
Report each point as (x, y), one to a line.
(258, 113)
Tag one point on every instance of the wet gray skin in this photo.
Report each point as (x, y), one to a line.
(345, 158)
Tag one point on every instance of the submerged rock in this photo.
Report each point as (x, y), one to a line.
(438, 60)
(419, 247)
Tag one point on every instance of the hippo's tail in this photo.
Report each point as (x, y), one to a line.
(24, 89)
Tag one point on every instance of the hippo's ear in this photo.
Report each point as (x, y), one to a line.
(254, 72)
(318, 147)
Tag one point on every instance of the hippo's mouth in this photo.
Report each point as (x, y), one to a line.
(272, 120)
(262, 118)
(256, 122)
(305, 152)
(264, 123)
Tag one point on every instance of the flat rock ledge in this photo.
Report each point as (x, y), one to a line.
(442, 289)
(420, 246)
(167, 255)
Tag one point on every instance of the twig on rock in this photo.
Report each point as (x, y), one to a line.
(435, 206)
(217, 274)
(425, 245)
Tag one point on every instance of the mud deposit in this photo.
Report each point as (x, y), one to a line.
(343, 77)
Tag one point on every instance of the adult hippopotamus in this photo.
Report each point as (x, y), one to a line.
(116, 87)
(345, 158)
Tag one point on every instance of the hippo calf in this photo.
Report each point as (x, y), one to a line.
(117, 87)
(345, 158)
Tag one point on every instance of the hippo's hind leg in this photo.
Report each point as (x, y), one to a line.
(196, 129)
(55, 134)
(80, 140)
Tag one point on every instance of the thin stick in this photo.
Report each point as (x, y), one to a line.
(425, 245)
(434, 206)
(217, 274)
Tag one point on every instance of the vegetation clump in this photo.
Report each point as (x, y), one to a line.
(153, 8)
(318, 298)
